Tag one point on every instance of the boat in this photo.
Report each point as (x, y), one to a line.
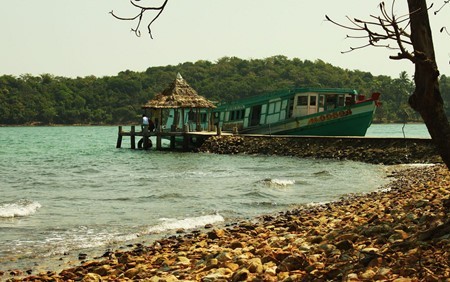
(300, 111)
(296, 111)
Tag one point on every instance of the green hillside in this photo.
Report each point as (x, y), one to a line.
(49, 99)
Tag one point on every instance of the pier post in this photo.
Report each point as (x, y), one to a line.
(158, 141)
(145, 144)
(158, 137)
(219, 130)
(119, 138)
(186, 141)
(172, 142)
(133, 137)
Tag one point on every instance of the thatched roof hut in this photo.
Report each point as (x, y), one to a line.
(179, 95)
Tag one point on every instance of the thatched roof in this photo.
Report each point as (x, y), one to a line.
(179, 94)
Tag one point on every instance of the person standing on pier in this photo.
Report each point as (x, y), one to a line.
(144, 122)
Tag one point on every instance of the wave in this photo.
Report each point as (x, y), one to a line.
(278, 182)
(186, 223)
(20, 208)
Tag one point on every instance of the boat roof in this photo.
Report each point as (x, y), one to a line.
(286, 93)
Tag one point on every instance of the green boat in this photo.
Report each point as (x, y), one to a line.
(300, 111)
(297, 111)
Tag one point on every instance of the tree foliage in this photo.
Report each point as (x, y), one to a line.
(48, 99)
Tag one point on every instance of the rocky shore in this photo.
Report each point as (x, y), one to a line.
(400, 233)
(387, 151)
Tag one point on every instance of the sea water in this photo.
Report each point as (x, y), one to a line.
(67, 190)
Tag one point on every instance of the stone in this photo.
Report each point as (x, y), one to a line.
(183, 261)
(237, 245)
(344, 245)
(293, 262)
(240, 275)
(368, 274)
(92, 277)
(255, 265)
(216, 234)
(103, 270)
(382, 273)
(224, 257)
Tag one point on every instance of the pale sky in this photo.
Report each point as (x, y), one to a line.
(80, 38)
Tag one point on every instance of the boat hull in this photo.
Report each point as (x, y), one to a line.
(346, 121)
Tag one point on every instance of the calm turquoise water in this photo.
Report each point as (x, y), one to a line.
(409, 130)
(66, 190)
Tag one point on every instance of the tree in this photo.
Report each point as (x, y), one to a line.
(426, 98)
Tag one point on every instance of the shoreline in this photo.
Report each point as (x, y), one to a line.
(381, 235)
(376, 236)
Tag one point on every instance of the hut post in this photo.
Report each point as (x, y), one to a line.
(159, 131)
(176, 118)
(119, 138)
(211, 121)
(197, 122)
(133, 137)
(183, 120)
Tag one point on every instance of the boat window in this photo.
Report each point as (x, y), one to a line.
(341, 101)
(312, 100)
(302, 101)
(277, 106)
(271, 108)
(331, 102)
(237, 114)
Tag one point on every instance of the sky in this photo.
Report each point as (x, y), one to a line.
(80, 38)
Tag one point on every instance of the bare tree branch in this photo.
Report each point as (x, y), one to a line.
(383, 28)
(438, 11)
(140, 15)
(443, 5)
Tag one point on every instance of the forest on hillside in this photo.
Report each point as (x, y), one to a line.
(49, 99)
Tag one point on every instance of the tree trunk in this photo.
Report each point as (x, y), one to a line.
(426, 98)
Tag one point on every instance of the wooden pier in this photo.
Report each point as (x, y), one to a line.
(187, 140)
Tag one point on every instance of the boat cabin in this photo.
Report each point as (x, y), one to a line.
(280, 106)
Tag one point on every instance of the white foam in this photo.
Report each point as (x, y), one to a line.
(278, 182)
(283, 182)
(21, 208)
(186, 223)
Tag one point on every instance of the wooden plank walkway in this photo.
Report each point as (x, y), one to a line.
(187, 139)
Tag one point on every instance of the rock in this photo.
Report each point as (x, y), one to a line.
(327, 248)
(183, 261)
(255, 265)
(92, 277)
(240, 275)
(352, 277)
(237, 245)
(344, 245)
(232, 266)
(224, 257)
(221, 274)
(402, 279)
(382, 273)
(133, 272)
(293, 262)
(368, 274)
(103, 270)
(82, 256)
(216, 234)
(168, 278)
